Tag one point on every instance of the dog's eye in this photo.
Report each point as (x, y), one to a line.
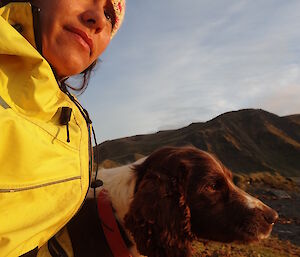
(211, 187)
(215, 186)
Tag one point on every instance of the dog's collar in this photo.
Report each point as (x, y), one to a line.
(110, 226)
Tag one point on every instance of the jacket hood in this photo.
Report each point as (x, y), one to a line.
(27, 83)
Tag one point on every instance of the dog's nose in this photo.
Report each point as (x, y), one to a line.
(271, 216)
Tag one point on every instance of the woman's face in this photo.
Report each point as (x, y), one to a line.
(74, 33)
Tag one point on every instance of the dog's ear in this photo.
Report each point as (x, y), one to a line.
(159, 218)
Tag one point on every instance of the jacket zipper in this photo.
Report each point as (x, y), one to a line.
(13, 190)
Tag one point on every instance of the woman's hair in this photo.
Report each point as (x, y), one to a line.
(85, 78)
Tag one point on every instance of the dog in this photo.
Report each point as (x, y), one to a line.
(174, 196)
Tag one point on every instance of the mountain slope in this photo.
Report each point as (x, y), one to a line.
(245, 141)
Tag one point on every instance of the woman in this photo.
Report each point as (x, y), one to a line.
(45, 148)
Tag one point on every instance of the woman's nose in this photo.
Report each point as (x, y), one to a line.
(94, 19)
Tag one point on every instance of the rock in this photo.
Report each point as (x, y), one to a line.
(279, 194)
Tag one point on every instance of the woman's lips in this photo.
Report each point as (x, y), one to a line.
(82, 35)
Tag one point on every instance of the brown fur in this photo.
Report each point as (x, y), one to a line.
(185, 193)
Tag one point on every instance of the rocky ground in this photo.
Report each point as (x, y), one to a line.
(288, 225)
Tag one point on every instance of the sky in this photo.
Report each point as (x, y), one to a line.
(175, 62)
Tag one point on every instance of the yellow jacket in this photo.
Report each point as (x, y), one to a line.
(43, 178)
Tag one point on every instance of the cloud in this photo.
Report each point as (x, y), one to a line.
(284, 93)
(178, 62)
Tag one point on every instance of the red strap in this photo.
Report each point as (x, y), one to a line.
(110, 227)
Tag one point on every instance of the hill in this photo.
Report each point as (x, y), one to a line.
(246, 141)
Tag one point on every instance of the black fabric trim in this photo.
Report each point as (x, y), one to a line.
(36, 21)
(32, 253)
(86, 233)
(5, 2)
(37, 30)
(55, 249)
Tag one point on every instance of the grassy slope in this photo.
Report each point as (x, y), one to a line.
(245, 141)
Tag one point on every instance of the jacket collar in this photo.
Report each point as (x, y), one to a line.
(19, 16)
(27, 83)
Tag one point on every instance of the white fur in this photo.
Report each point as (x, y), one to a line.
(120, 183)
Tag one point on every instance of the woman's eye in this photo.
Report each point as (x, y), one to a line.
(109, 16)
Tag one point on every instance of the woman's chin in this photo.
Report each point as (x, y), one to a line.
(69, 69)
(66, 64)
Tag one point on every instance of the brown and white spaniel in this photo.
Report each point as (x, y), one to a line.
(179, 194)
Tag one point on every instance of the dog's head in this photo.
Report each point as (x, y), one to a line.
(185, 193)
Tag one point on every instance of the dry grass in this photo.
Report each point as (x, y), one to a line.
(271, 247)
(265, 179)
